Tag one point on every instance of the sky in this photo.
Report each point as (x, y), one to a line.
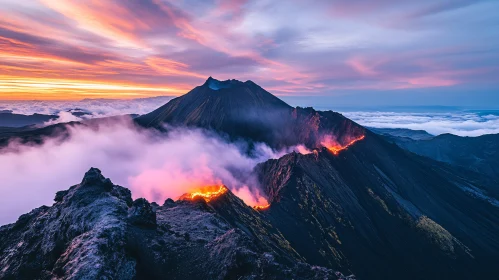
(394, 52)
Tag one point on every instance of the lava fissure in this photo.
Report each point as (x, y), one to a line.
(336, 148)
(210, 193)
(261, 207)
(207, 193)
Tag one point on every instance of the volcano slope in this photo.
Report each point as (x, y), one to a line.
(384, 213)
(244, 110)
(95, 231)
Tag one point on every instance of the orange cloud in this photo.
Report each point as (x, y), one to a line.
(18, 88)
(95, 16)
(171, 67)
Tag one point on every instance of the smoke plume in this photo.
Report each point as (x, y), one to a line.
(150, 164)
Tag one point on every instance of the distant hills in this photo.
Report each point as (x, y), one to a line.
(9, 119)
(479, 154)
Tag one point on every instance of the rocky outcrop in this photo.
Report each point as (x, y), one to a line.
(82, 236)
(95, 231)
(142, 214)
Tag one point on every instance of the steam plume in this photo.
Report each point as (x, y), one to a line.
(151, 165)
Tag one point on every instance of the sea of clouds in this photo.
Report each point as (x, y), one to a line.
(462, 123)
(98, 107)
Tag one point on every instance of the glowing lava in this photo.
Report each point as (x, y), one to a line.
(207, 193)
(336, 148)
(261, 207)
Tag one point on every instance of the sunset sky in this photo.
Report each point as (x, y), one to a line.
(74, 49)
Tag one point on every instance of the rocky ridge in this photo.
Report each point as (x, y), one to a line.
(95, 230)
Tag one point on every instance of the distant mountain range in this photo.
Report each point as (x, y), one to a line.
(479, 154)
(8, 119)
(353, 203)
(403, 133)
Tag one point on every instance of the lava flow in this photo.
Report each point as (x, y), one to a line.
(336, 148)
(207, 193)
(261, 207)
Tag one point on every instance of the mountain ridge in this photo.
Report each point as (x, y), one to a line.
(95, 230)
(478, 153)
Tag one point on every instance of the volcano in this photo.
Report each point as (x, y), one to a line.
(244, 110)
(353, 204)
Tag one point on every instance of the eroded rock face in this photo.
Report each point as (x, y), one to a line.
(82, 236)
(95, 231)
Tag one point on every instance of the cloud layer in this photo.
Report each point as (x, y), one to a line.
(97, 107)
(458, 123)
(151, 165)
(463, 123)
(75, 49)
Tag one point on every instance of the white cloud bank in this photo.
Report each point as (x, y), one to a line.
(458, 123)
(98, 107)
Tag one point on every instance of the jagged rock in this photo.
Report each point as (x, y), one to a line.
(169, 203)
(141, 213)
(82, 236)
(60, 195)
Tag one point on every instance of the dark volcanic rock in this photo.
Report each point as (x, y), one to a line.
(82, 236)
(94, 231)
(383, 213)
(142, 214)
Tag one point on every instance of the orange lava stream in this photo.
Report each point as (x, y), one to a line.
(261, 207)
(337, 148)
(207, 193)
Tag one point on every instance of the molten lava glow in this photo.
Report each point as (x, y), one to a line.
(261, 207)
(207, 193)
(336, 147)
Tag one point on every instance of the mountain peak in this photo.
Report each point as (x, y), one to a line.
(246, 110)
(240, 109)
(215, 84)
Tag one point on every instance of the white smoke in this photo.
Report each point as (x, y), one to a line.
(151, 165)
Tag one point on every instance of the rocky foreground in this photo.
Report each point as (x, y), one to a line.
(95, 230)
